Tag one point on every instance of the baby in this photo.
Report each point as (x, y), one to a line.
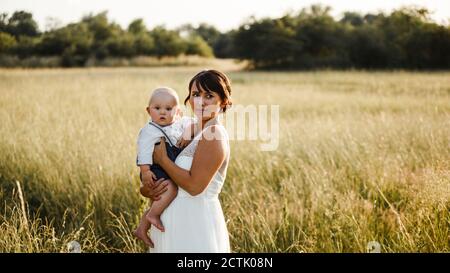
(165, 113)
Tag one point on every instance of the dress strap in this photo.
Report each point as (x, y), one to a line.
(162, 131)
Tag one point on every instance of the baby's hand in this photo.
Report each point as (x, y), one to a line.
(183, 143)
(187, 136)
(148, 178)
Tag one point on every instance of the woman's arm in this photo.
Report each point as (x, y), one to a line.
(208, 158)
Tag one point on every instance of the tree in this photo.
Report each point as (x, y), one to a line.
(7, 42)
(4, 22)
(144, 44)
(224, 45)
(167, 42)
(73, 42)
(398, 28)
(427, 47)
(197, 46)
(99, 25)
(208, 33)
(267, 42)
(137, 27)
(102, 30)
(76, 37)
(26, 46)
(120, 43)
(321, 38)
(352, 18)
(310, 38)
(21, 23)
(366, 48)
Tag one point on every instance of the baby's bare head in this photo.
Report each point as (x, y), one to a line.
(163, 106)
(163, 93)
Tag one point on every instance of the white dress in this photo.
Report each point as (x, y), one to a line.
(194, 223)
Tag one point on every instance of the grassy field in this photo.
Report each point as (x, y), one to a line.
(363, 156)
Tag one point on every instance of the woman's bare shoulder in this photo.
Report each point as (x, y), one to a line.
(215, 132)
(215, 138)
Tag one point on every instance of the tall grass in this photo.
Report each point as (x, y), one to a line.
(363, 156)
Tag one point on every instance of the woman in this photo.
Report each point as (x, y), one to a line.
(194, 221)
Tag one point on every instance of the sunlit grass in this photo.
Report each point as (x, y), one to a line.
(363, 156)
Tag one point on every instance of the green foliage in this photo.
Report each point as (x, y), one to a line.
(209, 33)
(21, 23)
(167, 42)
(196, 45)
(120, 44)
(7, 42)
(221, 43)
(137, 27)
(366, 48)
(144, 44)
(352, 18)
(224, 45)
(267, 42)
(75, 37)
(311, 38)
(26, 46)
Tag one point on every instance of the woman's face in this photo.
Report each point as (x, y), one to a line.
(205, 105)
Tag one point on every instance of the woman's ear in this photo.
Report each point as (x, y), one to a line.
(223, 107)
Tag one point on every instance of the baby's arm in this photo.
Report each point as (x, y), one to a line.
(145, 144)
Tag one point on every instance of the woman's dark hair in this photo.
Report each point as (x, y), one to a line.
(212, 81)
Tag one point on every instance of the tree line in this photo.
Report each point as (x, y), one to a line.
(312, 38)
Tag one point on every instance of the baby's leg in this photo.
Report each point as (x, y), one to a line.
(142, 229)
(154, 213)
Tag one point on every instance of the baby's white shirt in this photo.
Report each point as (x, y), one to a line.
(149, 135)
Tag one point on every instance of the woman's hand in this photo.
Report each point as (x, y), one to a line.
(154, 191)
(159, 153)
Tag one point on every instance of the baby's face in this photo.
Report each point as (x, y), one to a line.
(163, 109)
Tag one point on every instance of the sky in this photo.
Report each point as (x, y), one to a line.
(224, 15)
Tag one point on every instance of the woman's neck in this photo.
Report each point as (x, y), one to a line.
(213, 121)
